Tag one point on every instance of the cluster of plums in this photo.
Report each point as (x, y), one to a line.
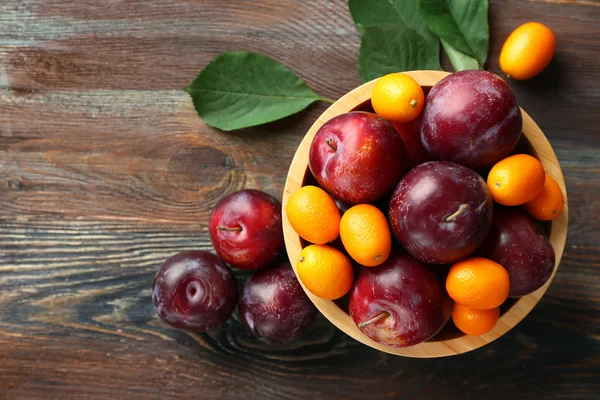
(197, 291)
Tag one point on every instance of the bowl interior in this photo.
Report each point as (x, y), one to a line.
(449, 341)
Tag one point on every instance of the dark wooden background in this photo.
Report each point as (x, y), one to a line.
(106, 170)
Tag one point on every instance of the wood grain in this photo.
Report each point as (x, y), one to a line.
(106, 170)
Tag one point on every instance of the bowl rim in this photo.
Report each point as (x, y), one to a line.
(441, 348)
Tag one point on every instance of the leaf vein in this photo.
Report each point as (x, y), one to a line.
(460, 29)
(257, 94)
(397, 11)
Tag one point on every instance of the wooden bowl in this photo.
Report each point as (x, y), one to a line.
(449, 341)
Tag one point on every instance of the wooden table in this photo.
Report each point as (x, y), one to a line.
(106, 170)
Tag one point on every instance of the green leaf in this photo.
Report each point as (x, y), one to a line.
(392, 48)
(461, 23)
(239, 89)
(394, 38)
(390, 12)
(460, 61)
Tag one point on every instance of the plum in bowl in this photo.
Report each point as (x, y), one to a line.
(448, 341)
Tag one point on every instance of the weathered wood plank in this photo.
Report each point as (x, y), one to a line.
(132, 154)
(140, 45)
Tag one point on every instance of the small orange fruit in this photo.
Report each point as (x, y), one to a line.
(397, 97)
(313, 215)
(474, 322)
(527, 51)
(516, 180)
(478, 283)
(365, 234)
(549, 203)
(325, 271)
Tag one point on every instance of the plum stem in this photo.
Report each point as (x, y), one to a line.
(330, 143)
(224, 228)
(461, 209)
(378, 317)
(413, 102)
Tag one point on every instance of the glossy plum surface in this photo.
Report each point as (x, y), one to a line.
(471, 118)
(404, 300)
(194, 290)
(441, 212)
(414, 150)
(246, 229)
(358, 157)
(274, 307)
(518, 243)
